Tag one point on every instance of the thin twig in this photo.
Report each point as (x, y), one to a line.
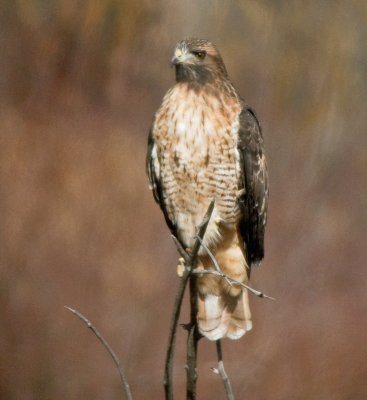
(193, 334)
(192, 344)
(201, 230)
(167, 381)
(231, 281)
(184, 254)
(190, 261)
(211, 255)
(125, 384)
(220, 273)
(215, 262)
(222, 372)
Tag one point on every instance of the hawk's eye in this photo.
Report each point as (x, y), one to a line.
(199, 54)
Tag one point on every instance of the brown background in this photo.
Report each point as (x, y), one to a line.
(79, 83)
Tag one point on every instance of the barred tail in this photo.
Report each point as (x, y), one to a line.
(224, 316)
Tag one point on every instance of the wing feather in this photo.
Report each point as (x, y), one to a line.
(254, 200)
(153, 172)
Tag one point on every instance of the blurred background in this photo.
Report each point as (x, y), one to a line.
(79, 84)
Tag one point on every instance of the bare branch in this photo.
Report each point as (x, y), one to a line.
(190, 260)
(231, 281)
(180, 249)
(193, 334)
(222, 372)
(192, 343)
(168, 382)
(211, 255)
(125, 384)
(215, 262)
(201, 230)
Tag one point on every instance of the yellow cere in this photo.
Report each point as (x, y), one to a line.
(178, 53)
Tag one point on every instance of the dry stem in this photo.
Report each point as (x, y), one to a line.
(125, 384)
(222, 372)
(190, 262)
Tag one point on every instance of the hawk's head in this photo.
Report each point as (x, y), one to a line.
(197, 61)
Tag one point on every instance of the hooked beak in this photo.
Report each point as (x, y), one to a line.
(175, 60)
(179, 57)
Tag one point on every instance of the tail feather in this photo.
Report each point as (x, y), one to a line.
(240, 321)
(224, 316)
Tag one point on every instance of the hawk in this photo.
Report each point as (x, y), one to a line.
(206, 143)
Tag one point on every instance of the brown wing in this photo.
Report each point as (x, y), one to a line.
(152, 168)
(254, 200)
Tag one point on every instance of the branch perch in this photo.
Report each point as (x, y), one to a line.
(190, 262)
(231, 281)
(125, 384)
(190, 272)
(192, 344)
(222, 372)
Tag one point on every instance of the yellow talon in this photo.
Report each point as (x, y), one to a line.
(181, 267)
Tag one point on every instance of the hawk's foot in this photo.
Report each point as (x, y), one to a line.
(217, 220)
(181, 267)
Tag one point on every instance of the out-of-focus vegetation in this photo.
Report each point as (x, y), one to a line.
(79, 83)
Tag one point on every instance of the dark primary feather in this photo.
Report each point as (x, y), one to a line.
(254, 201)
(155, 184)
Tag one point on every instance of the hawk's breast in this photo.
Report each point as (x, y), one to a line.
(196, 137)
